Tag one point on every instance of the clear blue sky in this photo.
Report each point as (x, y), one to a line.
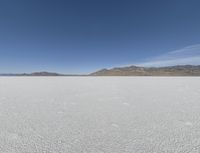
(80, 36)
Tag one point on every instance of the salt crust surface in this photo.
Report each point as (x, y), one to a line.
(99, 114)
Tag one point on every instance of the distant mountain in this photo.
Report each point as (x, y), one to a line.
(179, 70)
(33, 74)
(45, 74)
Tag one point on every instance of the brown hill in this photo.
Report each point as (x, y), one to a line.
(179, 70)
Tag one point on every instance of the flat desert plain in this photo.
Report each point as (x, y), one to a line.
(99, 114)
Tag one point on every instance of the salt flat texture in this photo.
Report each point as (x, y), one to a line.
(99, 114)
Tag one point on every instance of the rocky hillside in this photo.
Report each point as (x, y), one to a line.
(180, 70)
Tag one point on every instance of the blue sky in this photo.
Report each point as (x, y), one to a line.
(81, 36)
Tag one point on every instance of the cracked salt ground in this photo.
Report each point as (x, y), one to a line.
(115, 125)
(111, 115)
(126, 104)
(188, 124)
(13, 136)
(60, 112)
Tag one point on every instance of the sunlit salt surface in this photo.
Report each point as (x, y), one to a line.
(99, 114)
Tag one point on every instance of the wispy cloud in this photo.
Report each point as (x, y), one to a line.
(184, 56)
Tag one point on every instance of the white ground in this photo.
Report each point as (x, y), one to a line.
(99, 114)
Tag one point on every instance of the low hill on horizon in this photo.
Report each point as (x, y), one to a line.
(43, 73)
(178, 70)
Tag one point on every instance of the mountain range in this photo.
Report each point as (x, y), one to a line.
(33, 74)
(178, 70)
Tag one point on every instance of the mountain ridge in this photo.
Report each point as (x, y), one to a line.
(177, 70)
(42, 73)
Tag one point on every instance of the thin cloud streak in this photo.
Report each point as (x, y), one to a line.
(189, 55)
